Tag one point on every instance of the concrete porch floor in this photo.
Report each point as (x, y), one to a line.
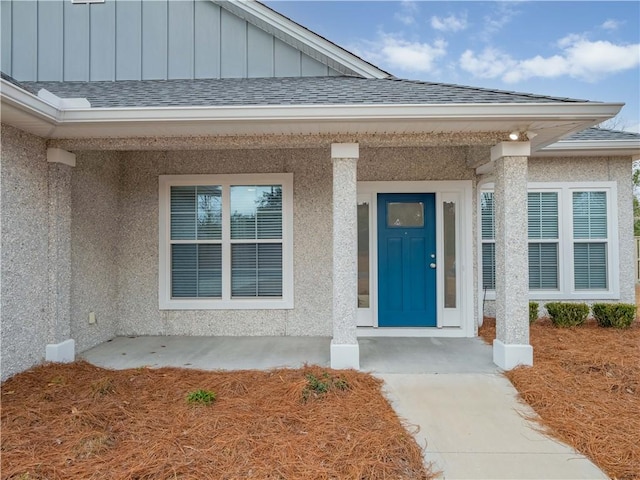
(467, 414)
(378, 355)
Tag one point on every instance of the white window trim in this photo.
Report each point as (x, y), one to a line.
(226, 302)
(567, 290)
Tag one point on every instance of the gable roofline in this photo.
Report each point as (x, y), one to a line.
(301, 38)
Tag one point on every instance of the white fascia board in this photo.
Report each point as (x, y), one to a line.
(496, 111)
(15, 96)
(592, 148)
(301, 34)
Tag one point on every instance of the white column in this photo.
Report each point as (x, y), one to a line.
(511, 346)
(345, 352)
(61, 347)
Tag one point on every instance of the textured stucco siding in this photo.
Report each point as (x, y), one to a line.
(137, 250)
(95, 191)
(24, 237)
(138, 244)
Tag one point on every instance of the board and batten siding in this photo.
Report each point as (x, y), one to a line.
(56, 40)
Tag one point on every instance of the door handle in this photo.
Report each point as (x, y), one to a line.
(432, 265)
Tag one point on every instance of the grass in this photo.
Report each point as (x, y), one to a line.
(80, 421)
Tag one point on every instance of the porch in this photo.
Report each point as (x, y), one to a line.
(379, 355)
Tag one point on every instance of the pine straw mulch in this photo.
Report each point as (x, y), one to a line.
(80, 421)
(585, 386)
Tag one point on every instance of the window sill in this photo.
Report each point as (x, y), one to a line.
(559, 296)
(245, 304)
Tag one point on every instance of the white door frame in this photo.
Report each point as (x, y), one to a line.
(451, 322)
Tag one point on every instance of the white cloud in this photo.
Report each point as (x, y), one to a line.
(611, 24)
(450, 23)
(407, 13)
(491, 63)
(392, 51)
(502, 15)
(579, 58)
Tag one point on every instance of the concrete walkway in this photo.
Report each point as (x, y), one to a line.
(459, 406)
(474, 428)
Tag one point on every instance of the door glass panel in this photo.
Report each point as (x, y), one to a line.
(405, 214)
(449, 230)
(363, 254)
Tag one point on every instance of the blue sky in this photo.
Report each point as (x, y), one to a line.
(586, 50)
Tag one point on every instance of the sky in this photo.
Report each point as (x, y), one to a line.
(585, 50)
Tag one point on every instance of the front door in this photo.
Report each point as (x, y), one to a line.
(406, 260)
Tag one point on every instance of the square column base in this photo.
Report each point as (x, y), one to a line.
(508, 356)
(63, 352)
(345, 356)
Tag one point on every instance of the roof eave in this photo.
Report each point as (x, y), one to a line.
(591, 148)
(550, 120)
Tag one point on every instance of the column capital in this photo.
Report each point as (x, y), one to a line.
(58, 155)
(510, 149)
(345, 150)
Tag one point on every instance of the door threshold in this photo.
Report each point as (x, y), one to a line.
(445, 332)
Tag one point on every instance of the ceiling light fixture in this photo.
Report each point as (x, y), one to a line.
(514, 135)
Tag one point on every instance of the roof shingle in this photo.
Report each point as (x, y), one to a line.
(341, 90)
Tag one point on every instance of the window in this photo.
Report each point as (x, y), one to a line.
(543, 240)
(590, 240)
(225, 242)
(488, 241)
(565, 257)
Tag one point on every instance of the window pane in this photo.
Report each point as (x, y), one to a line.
(543, 266)
(183, 213)
(543, 215)
(449, 231)
(489, 266)
(256, 212)
(590, 265)
(363, 255)
(256, 270)
(589, 215)
(209, 213)
(196, 212)
(196, 271)
(487, 212)
(405, 214)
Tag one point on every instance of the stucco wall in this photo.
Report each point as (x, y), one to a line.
(137, 249)
(138, 244)
(95, 195)
(24, 239)
(590, 169)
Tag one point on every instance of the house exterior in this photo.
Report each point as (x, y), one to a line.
(212, 168)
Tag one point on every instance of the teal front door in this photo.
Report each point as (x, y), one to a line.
(406, 260)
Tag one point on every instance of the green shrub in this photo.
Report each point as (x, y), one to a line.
(565, 314)
(203, 397)
(533, 312)
(618, 315)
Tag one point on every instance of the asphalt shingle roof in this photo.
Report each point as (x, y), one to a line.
(595, 133)
(341, 90)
